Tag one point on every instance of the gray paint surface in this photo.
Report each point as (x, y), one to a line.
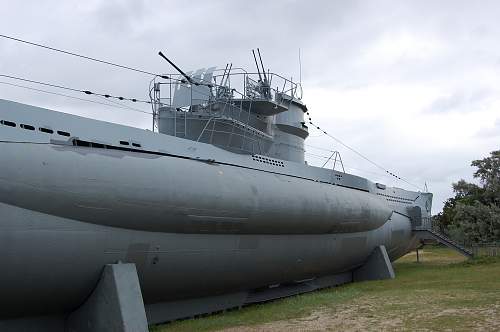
(197, 220)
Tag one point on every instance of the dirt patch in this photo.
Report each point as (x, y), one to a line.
(325, 321)
(369, 315)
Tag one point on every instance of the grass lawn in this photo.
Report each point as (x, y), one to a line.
(442, 292)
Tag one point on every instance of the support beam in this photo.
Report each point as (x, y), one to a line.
(115, 305)
(378, 266)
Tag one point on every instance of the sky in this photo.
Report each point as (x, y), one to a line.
(412, 85)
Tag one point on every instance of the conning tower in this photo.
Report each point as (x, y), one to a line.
(290, 131)
(234, 110)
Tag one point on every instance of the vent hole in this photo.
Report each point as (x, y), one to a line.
(27, 127)
(46, 130)
(63, 133)
(8, 123)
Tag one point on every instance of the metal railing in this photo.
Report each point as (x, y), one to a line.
(222, 95)
(233, 85)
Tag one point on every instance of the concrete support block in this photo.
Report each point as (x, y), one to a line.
(378, 266)
(115, 305)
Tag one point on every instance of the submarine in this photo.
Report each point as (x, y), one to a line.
(215, 208)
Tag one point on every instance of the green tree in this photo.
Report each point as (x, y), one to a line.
(477, 222)
(488, 171)
(473, 214)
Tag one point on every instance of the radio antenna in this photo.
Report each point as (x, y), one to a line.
(300, 69)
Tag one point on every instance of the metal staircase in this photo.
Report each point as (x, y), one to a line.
(427, 231)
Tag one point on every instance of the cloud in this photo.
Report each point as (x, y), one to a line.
(461, 101)
(490, 131)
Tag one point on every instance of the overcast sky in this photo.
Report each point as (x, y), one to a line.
(413, 85)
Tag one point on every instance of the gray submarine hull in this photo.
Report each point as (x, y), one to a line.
(52, 264)
(68, 208)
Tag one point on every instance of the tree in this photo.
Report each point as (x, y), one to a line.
(489, 174)
(473, 214)
(477, 222)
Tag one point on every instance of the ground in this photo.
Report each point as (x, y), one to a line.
(444, 292)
